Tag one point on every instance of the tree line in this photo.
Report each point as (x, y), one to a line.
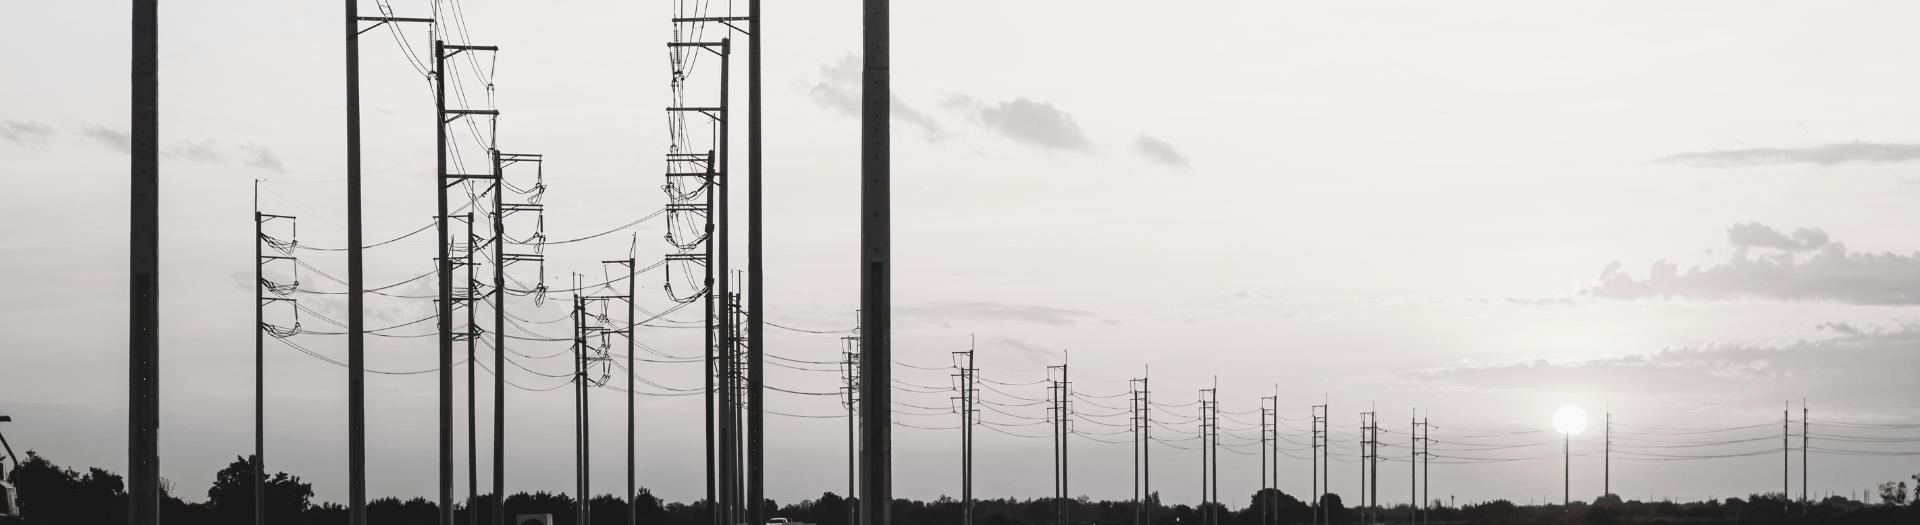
(51, 494)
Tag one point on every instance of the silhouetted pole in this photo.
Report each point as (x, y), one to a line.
(259, 365)
(1804, 502)
(1566, 483)
(1786, 455)
(143, 334)
(876, 288)
(472, 298)
(499, 503)
(756, 361)
(444, 264)
(356, 289)
(1146, 447)
(633, 307)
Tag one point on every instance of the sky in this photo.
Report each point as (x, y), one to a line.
(1687, 216)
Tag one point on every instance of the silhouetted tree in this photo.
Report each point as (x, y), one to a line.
(231, 497)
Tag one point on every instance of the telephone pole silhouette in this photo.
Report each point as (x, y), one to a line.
(1210, 452)
(695, 195)
(969, 379)
(1321, 453)
(502, 210)
(850, 386)
(876, 270)
(1269, 456)
(1139, 404)
(1061, 411)
(356, 274)
(265, 293)
(1366, 461)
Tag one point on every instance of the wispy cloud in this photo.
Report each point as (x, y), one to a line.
(25, 132)
(950, 314)
(257, 156)
(204, 151)
(118, 140)
(1830, 273)
(1032, 351)
(1827, 155)
(1022, 119)
(1159, 151)
(1855, 364)
(839, 91)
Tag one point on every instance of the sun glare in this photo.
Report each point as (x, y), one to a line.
(1570, 420)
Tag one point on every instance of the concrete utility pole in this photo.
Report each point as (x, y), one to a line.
(756, 300)
(1317, 437)
(263, 296)
(876, 278)
(143, 249)
(1804, 501)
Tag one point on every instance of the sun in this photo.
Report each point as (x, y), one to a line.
(1570, 420)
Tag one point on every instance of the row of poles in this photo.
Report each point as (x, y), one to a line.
(143, 495)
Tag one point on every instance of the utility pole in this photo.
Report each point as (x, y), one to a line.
(143, 254)
(502, 258)
(1317, 440)
(876, 272)
(444, 261)
(850, 385)
(1366, 463)
(1146, 444)
(968, 390)
(589, 355)
(1413, 466)
(1269, 459)
(470, 298)
(1058, 390)
(1210, 453)
(1426, 468)
(694, 187)
(356, 273)
(756, 300)
(580, 446)
(1786, 455)
(265, 293)
(633, 308)
(1804, 501)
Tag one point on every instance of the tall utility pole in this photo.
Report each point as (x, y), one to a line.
(633, 308)
(1606, 455)
(580, 446)
(143, 270)
(756, 348)
(1413, 466)
(1142, 490)
(1804, 502)
(1318, 439)
(262, 298)
(1367, 452)
(588, 355)
(967, 378)
(1426, 469)
(876, 271)
(1062, 426)
(356, 278)
(470, 299)
(444, 261)
(850, 385)
(1269, 459)
(501, 259)
(1210, 453)
(1786, 455)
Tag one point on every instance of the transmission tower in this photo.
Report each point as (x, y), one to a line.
(968, 380)
(267, 292)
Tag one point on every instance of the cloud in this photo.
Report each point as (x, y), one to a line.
(1753, 234)
(1827, 155)
(1159, 151)
(839, 91)
(1856, 364)
(29, 132)
(203, 151)
(1831, 273)
(1023, 120)
(118, 140)
(1032, 351)
(258, 156)
(949, 313)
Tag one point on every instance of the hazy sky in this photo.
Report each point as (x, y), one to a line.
(1483, 211)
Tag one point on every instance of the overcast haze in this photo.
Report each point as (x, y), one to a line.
(1688, 214)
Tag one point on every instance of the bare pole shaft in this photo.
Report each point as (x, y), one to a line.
(356, 285)
(445, 265)
(756, 419)
(471, 298)
(876, 289)
(143, 334)
(259, 367)
(719, 243)
(633, 307)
